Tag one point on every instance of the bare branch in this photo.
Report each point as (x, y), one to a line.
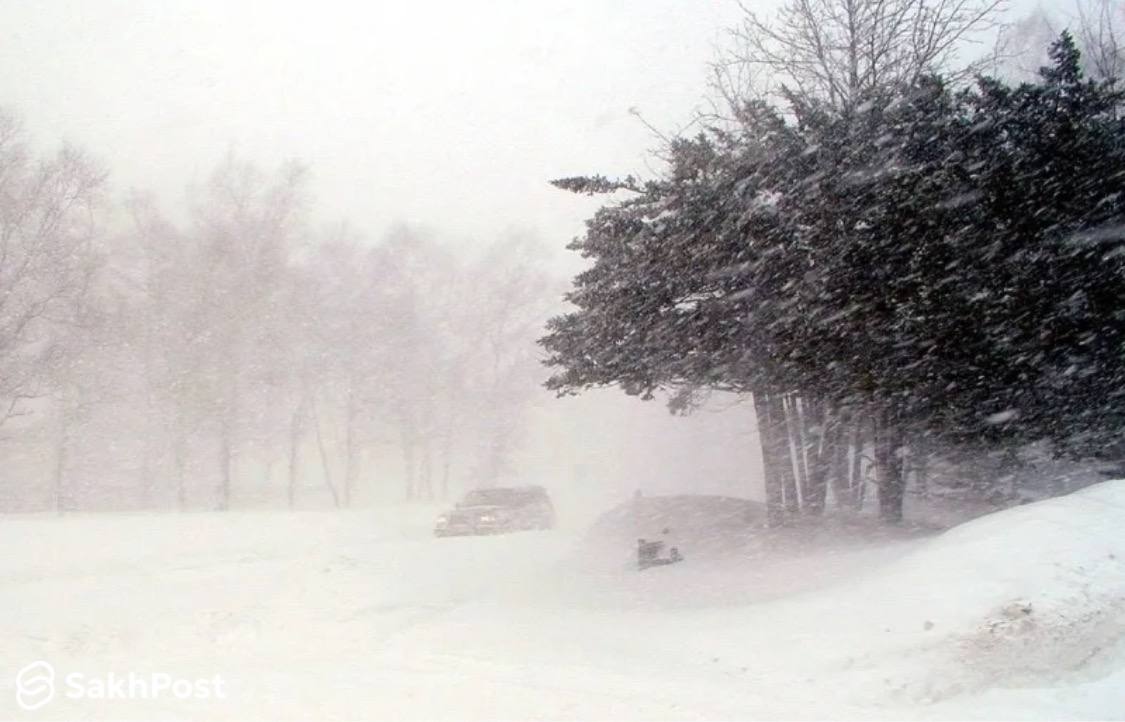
(838, 51)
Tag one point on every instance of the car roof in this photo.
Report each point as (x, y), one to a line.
(514, 491)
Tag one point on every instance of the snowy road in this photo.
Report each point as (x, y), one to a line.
(361, 615)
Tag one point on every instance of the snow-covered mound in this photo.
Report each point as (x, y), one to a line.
(1029, 596)
(1026, 595)
(705, 524)
(1033, 595)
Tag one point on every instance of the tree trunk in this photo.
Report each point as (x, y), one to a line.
(446, 461)
(426, 472)
(775, 495)
(225, 462)
(856, 480)
(324, 464)
(446, 456)
(151, 419)
(350, 465)
(838, 463)
(796, 441)
(821, 428)
(294, 453)
(888, 469)
(179, 453)
(146, 486)
(406, 430)
(232, 412)
(62, 452)
(922, 467)
(783, 454)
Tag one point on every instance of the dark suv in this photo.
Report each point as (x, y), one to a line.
(498, 510)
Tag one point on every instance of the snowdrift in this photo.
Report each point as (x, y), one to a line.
(707, 524)
(364, 615)
(1029, 597)
(898, 622)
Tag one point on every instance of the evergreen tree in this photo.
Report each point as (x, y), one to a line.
(941, 265)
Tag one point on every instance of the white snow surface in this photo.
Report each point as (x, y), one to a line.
(364, 615)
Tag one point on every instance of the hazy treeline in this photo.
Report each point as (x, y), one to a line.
(242, 355)
(904, 268)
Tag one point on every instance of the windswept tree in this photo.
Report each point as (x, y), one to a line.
(927, 265)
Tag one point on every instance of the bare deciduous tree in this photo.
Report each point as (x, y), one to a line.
(835, 51)
(1101, 35)
(514, 294)
(47, 256)
(247, 223)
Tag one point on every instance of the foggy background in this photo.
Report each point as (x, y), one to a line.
(433, 126)
(444, 113)
(450, 118)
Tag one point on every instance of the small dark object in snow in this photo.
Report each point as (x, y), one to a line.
(927, 625)
(648, 554)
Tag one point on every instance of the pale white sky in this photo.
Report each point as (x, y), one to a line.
(451, 114)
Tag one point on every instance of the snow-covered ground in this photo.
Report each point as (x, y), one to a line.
(363, 615)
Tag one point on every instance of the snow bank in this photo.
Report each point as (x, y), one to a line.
(1029, 596)
(361, 615)
(1023, 598)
